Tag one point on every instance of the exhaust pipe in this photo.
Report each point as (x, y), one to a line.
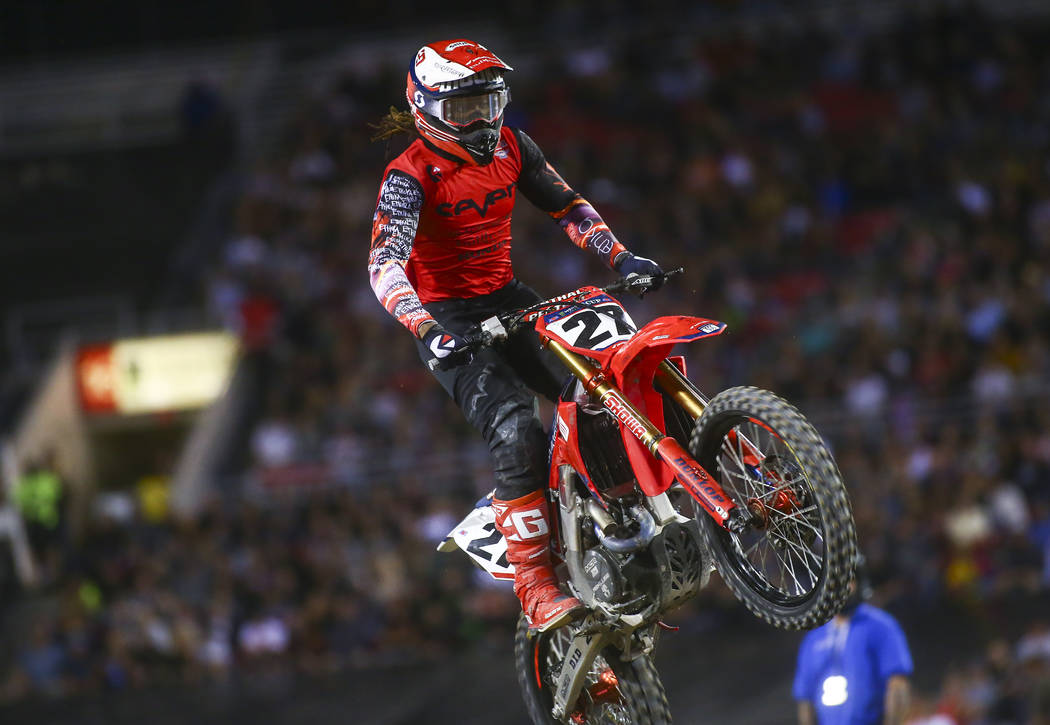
(645, 535)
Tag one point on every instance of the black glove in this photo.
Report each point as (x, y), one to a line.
(628, 264)
(442, 345)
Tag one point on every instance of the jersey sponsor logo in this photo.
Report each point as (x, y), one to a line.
(434, 172)
(483, 252)
(601, 241)
(463, 206)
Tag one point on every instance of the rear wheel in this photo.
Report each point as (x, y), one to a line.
(793, 565)
(616, 692)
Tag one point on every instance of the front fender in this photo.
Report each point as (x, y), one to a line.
(659, 336)
(633, 366)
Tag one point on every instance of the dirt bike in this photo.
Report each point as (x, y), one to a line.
(653, 486)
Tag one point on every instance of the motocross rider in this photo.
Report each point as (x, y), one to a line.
(440, 263)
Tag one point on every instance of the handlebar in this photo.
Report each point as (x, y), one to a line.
(489, 331)
(639, 284)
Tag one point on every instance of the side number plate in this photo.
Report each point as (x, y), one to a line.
(478, 536)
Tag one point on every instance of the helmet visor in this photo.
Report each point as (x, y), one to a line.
(464, 110)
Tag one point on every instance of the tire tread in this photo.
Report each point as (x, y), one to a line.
(826, 484)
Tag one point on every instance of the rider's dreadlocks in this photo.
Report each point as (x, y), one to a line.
(393, 123)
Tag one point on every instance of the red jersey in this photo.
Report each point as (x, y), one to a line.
(441, 229)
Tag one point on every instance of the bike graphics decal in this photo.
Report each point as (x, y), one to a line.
(614, 403)
(705, 330)
(594, 327)
(563, 428)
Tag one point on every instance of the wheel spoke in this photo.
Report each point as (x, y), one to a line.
(805, 554)
(753, 440)
(799, 588)
(751, 548)
(783, 570)
(752, 487)
(778, 574)
(737, 483)
(802, 553)
(727, 448)
(763, 562)
(792, 566)
(772, 492)
(738, 462)
(799, 517)
(736, 474)
(771, 464)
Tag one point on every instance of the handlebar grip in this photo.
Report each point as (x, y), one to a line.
(640, 284)
(474, 343)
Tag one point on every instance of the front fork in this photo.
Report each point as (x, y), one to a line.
(664, 448)
(670, 380)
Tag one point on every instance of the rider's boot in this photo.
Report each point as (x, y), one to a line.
(524, 523)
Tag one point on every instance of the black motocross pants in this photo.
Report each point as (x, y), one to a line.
(495, 389)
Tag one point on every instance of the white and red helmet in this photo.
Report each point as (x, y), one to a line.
(457, 95)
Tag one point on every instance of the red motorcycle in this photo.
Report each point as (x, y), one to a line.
(654, 487)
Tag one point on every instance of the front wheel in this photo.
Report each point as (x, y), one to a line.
(793, 565)
(616, 692)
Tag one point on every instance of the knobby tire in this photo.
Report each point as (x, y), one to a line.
(819, 489)
(639, 682)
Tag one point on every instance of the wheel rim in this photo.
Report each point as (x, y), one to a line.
(783, 556)
(600, 702)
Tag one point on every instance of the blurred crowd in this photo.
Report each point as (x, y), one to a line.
(1009, 682)
(870, 213)
(315, 586)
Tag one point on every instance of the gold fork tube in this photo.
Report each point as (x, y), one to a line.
(578, 365)
(670, 380)
(664, 448)
(594, 383)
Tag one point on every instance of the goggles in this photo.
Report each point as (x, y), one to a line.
(465, 110)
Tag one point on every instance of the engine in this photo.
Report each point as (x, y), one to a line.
(604, 575)
(628, 573)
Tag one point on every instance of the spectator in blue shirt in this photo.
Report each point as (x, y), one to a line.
(854, 670)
